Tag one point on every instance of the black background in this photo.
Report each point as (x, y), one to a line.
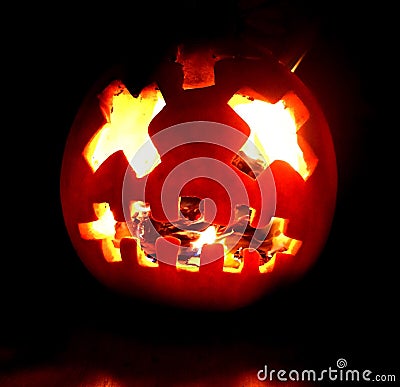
(344, 307)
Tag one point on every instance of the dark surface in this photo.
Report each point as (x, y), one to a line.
(58, 326)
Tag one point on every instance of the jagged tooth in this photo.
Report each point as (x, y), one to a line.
(130, 250)
(212, 257)
(251, 258)
(167, 249)
(263, 214)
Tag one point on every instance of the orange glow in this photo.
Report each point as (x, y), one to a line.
(102, 229)
(279, 243)
(208, 236)
(126, 128)
(274, 136)
(274, 130)
(108, 231)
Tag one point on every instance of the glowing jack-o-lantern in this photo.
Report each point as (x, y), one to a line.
(210, 188)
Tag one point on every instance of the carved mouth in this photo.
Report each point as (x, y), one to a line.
(192, 238)
(193, 232)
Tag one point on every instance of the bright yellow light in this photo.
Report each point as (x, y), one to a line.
(274, 129)
(102, 229)
(126, 128)
(208, 236)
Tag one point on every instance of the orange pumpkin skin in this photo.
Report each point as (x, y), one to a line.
(306, 205)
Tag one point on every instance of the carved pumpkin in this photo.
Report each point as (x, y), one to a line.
(212, 187)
